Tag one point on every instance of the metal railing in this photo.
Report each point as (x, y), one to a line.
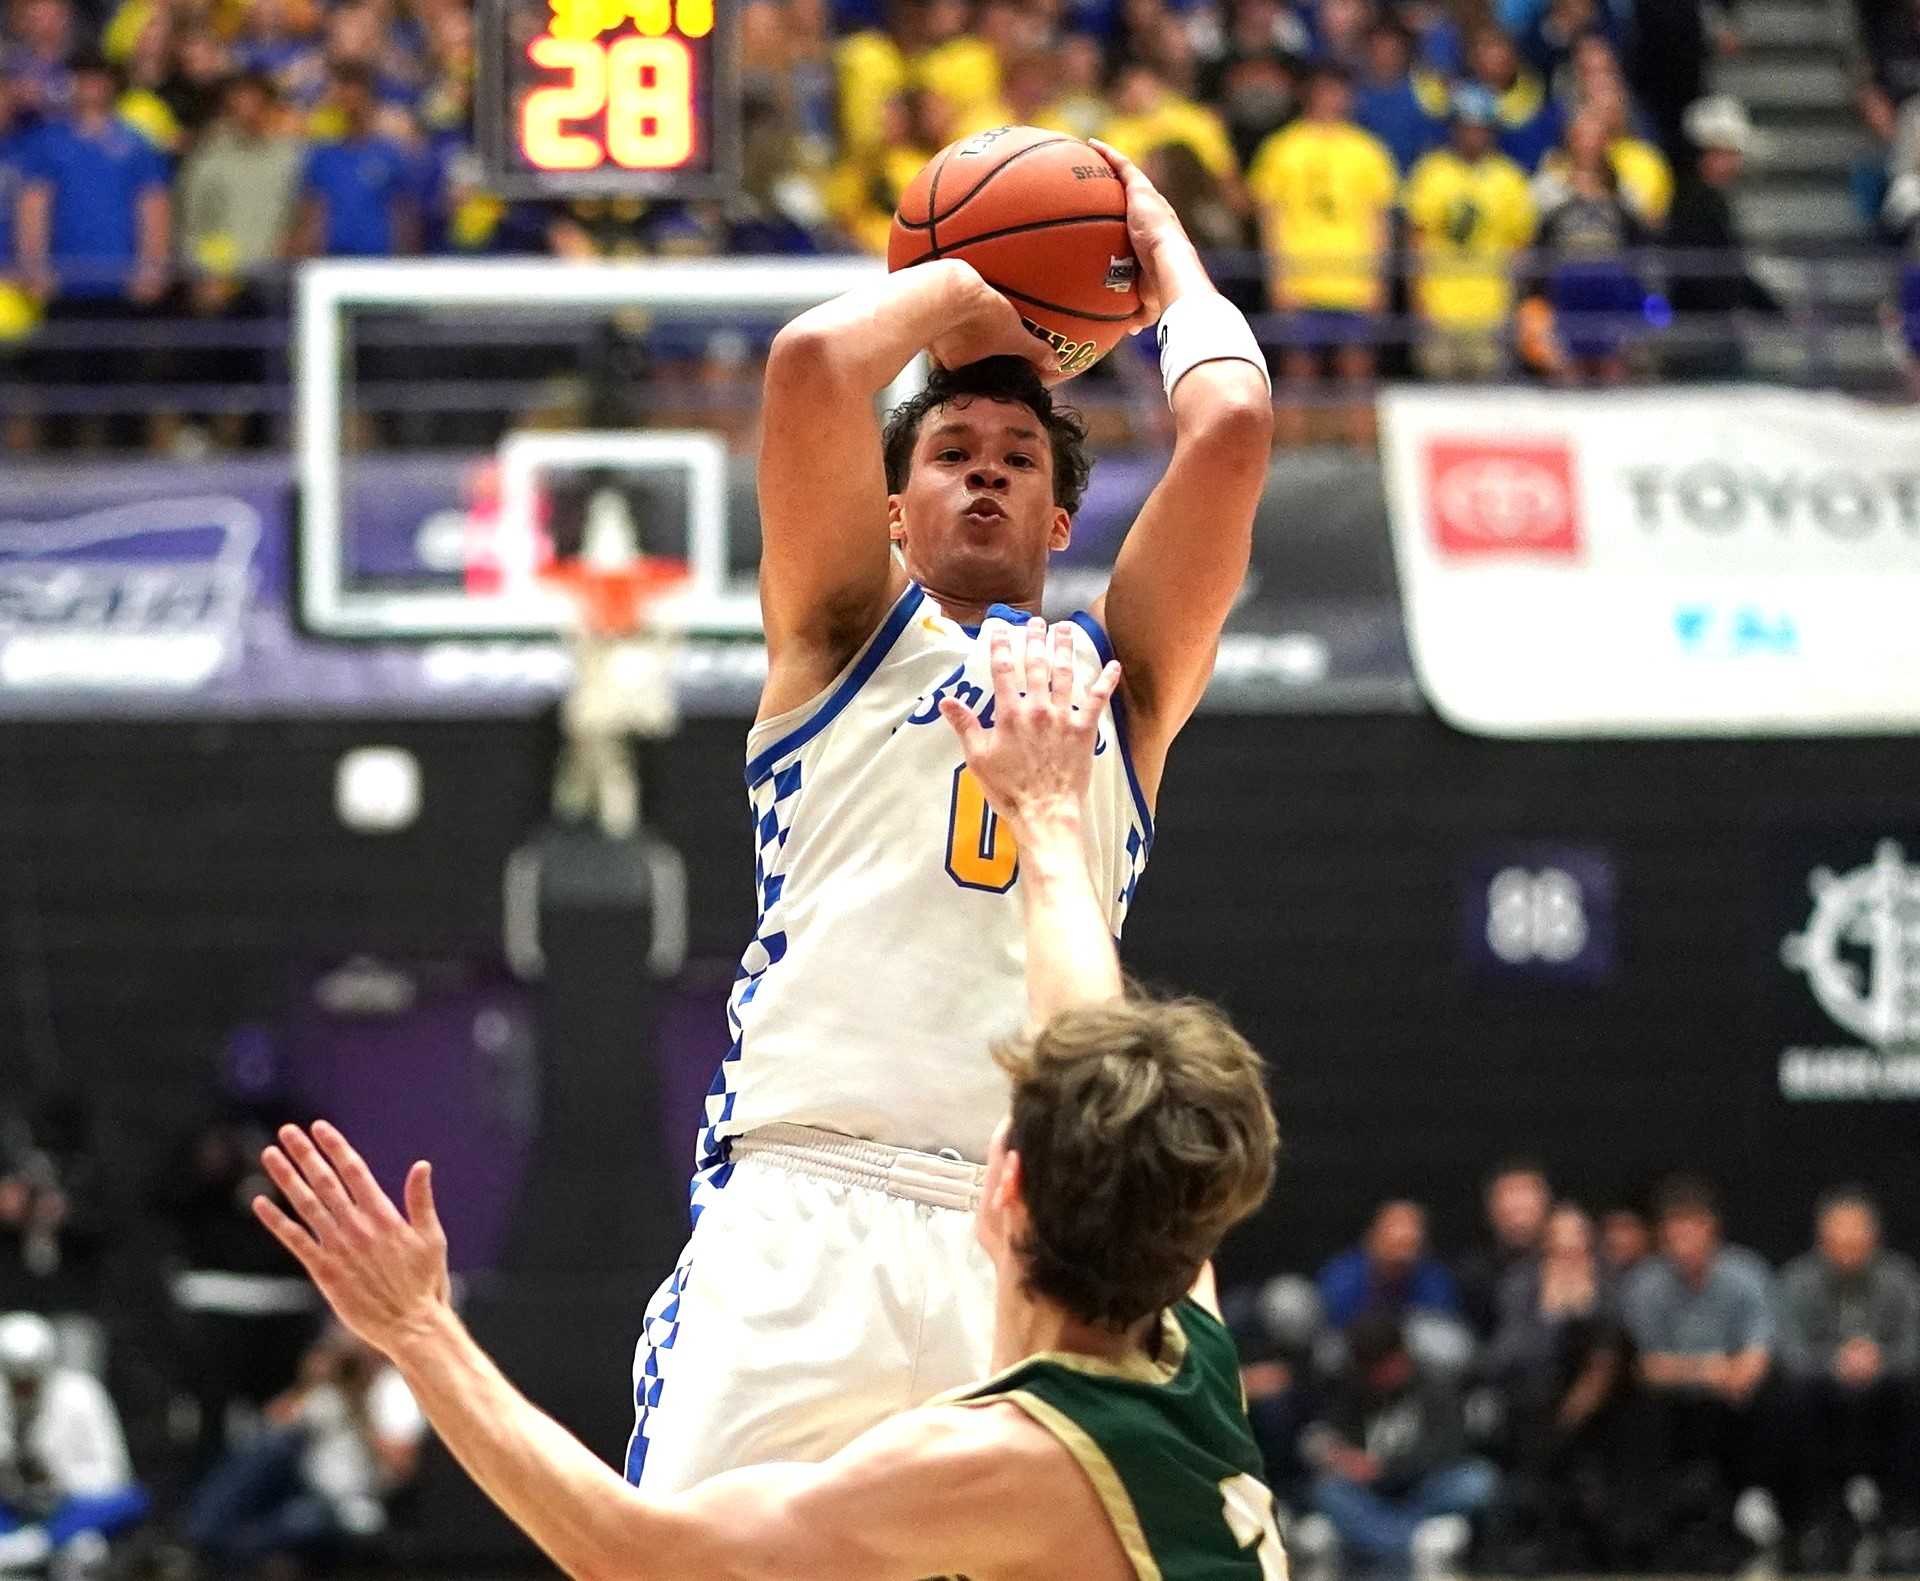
(168, 378)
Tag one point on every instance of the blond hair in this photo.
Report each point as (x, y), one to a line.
(1145, 1133)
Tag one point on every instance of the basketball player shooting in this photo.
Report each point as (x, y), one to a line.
(1109, 1445)
(832, 1276)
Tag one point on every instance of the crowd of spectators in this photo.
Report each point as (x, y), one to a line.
(285, 1441)
(1628, 1395)
(1421, 162)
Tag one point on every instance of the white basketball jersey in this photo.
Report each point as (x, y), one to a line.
(890, 948)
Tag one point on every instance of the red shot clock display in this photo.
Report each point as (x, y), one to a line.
(581, 98)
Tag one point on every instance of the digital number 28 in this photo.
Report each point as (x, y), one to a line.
(644, 86)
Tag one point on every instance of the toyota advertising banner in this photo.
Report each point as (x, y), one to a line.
(1681, 562)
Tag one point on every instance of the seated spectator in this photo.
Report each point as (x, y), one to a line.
(92, 228)
(1626, 1241)
(341, 1442)
(1557, 1359)
(360, 193)
(53, 1239)
(1389, 1271)
(1530, 120)
(1325, 190)
(1149, 112)
(1279, 1332)
(241, 1317)
(1709, 289)
(1591, 303)
(1517, 1195)
(1392, 1478)
(66, 1486)
(35, 48)
(1850, 1357)
(1701, 1317)
(1386, 103)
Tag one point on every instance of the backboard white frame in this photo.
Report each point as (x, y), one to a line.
(328, 289)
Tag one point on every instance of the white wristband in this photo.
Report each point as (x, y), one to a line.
(1205, 327)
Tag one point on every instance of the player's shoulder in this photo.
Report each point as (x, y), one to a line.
(974, 1449)
(983, 1490)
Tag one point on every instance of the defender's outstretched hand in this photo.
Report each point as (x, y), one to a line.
(384, 1275)
(1036, 758)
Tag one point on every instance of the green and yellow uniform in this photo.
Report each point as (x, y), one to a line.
(1166, 1446)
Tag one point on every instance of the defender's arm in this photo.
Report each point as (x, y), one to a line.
(1035, 763)
(826, 573)
(934, 1492)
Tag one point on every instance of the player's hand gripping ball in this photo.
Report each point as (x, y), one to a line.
(1043, 218)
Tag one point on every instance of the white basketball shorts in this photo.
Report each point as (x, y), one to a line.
(829, 1283)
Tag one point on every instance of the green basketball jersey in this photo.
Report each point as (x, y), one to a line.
(1166, 1446)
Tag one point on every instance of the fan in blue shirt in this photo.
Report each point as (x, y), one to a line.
(1386, 103)
(1389, 1271)
(363, 192)
(93, 209)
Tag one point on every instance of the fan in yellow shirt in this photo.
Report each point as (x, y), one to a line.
(1149, 114)
(866, 186)
(1325, 189)
(1471, 216)
(927, 44)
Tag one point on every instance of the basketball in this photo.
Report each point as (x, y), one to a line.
(1044, 219)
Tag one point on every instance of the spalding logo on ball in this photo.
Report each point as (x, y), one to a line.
(1044, 219)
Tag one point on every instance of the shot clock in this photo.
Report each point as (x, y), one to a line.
(607, 98)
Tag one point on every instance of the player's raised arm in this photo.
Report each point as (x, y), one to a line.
(826, 573)
(933, 1491)
(1035, 764)
(1183, 561)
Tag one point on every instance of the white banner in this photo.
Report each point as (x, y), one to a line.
(1677, 562)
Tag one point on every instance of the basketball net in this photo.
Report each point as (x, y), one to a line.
(624, 648)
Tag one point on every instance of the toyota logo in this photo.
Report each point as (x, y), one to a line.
(1505, 498)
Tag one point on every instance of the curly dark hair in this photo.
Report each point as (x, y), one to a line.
(1145, 1134)
(996, 379)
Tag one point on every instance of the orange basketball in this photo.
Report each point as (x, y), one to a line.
(1044, 219)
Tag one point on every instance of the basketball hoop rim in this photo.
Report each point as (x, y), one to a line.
(619, 601)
